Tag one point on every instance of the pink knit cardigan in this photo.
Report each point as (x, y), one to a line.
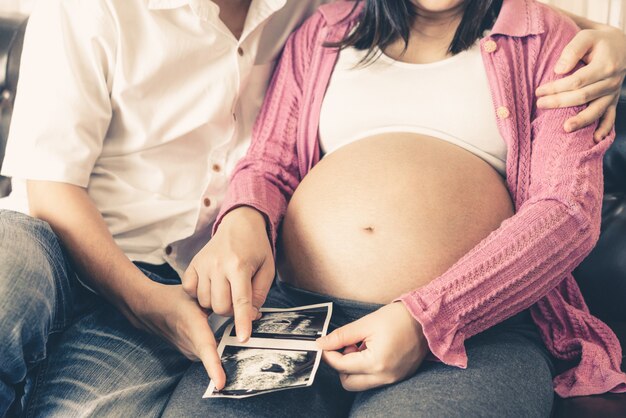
(554, 178)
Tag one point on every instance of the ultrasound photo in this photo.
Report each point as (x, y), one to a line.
(282, 353)
(251, 370)
(305, 324)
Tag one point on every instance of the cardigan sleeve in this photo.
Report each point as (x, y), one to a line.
(553, 230)
(267, 176)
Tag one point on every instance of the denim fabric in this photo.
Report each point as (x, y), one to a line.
(65, 351)
(509, 375)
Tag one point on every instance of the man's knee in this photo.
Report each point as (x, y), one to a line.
(31, 259)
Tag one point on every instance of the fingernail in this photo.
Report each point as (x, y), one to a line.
(570, 127)
(539, 91)
(541, 103)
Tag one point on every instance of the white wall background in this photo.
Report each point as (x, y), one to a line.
(16, 6)
(612, 12)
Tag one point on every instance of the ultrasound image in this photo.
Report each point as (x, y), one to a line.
(251, 370)
(306, 324)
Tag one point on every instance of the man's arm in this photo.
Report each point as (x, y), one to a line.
(163, 310)
(62, 113)
(603, 49)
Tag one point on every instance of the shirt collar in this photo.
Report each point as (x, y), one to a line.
(519, 18)
(206, 9)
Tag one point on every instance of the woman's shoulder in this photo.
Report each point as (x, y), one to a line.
(335, 13)
(557, 28)
(338, 11)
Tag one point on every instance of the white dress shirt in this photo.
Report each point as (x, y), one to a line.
(148, 104)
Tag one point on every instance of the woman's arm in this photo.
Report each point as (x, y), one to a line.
(268, 175)
(603, 49)
(234, 271)
(522, 261)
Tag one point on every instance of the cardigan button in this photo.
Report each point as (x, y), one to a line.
(503, 112)
(490, 46)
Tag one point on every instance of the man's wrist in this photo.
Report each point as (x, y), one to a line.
(133, 299)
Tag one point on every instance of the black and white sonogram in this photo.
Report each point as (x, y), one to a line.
(251, 370)
(304, 324)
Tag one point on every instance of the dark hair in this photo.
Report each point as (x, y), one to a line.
(382, 22)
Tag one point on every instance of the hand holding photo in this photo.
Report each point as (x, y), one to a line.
(281, 354)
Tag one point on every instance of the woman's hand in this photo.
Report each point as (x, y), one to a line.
(234, 271)
(379, 349)
(598, 83)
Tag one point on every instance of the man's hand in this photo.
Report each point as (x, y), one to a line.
(169, 312)
(379, 349)
(598, 83)
(234, 271)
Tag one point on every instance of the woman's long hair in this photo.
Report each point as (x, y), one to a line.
(382, 22)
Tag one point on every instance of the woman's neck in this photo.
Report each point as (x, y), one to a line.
(430, 38)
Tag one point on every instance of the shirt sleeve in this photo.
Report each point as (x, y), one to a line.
(532, 252)
(62, 109)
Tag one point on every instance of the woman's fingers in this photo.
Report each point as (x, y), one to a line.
(190, 281)
(591, 114)
(577, 97)
(261, 283)
(221, 299)
(241, 289)
(352, 363)
(352, 333)
(204, 291)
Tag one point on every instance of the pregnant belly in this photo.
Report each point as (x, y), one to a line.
(386, 215)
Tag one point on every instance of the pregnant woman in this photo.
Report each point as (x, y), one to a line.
(437, 207)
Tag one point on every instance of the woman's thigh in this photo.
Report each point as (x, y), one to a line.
(324, 398)
(509, 374)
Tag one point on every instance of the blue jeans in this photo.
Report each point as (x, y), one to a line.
(509, 375)
(65, 351)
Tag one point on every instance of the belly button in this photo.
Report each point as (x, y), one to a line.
(369, 229)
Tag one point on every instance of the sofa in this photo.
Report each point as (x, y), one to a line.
(602, 276)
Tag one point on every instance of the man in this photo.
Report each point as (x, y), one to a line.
(129, 118)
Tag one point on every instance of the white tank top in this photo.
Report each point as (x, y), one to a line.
(448, 99)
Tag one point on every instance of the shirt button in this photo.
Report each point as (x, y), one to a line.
(490, 46)
(207, 202)
(217, 168)
(240, 51)
(503, 112)
(168, 250)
